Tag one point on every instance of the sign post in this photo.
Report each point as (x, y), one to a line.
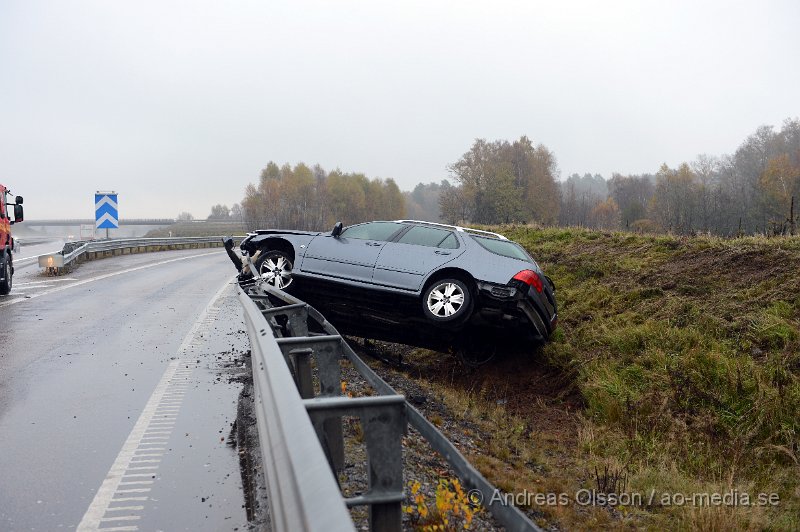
(106, 211)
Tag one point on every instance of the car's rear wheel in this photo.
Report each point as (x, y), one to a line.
(477, 354)
(275, 267)
(447, 300)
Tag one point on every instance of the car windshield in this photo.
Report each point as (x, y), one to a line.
(505, 248)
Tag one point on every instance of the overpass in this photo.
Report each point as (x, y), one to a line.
(90, 221)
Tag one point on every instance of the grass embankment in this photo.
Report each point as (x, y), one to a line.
(198, 228)
(675, 370)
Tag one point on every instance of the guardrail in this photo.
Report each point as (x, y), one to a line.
(76, 252)
(300, 470)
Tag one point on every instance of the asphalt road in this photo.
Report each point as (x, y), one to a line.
(114, 402)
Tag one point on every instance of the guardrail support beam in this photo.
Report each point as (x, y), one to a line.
(383, 420)
(327, 351)
(303, 376)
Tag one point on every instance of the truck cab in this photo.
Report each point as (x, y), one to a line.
(7, 244)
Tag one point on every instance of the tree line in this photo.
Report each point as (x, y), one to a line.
(517, 181)
(311, 199)
(750, 191)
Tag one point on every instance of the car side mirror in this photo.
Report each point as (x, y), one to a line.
(337, 230)
(18, 217)
(18, 200)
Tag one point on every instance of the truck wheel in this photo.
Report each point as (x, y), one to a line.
(5, 284)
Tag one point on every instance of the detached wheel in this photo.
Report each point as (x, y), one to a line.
(275, 267)
(447, 300)
(475, 356)
(5, 284)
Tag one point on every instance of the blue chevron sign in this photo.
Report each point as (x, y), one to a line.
(106, 211)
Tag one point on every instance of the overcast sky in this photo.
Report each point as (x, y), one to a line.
(178, 105)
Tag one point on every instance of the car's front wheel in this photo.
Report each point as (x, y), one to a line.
(5, 284)
(275, 267)
(447, 300)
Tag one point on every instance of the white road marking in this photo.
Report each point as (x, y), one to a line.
(104, 276)
(33, 257)
(129, 458)
(54, 280)
(122, 518)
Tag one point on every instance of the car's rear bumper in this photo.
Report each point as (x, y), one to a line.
(521, 308)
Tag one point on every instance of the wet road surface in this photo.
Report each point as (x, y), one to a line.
(113, 411)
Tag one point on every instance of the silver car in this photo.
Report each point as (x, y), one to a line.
(410, 281)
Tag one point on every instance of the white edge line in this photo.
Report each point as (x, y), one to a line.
(105, 494)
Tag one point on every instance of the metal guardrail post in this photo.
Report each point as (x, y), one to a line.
(327, 351)
(301, 359)
(383, 419)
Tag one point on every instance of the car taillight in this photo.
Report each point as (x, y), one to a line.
(530, 278)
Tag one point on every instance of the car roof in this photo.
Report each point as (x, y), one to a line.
(458, 228)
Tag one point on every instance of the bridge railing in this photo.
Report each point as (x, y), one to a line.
(283, 350)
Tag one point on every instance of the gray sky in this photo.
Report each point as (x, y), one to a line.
(178, 105)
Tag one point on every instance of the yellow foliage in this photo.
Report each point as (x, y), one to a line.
(451, 508)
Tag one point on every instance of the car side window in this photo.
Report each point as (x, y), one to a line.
(421, 235)
(450, 242)
(372, 230)
(506, 248)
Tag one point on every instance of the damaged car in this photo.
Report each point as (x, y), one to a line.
(420, 283)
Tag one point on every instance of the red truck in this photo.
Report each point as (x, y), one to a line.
(6, 240)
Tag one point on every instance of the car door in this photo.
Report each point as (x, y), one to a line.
(406, 262)
(351, 255)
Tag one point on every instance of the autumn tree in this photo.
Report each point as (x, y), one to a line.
(422, 203)
(632, 195)
(504, 182)
(579, 195)
(308, 198)
(674, 201)
(605, 215)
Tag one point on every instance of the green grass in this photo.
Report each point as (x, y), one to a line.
(686, 353)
